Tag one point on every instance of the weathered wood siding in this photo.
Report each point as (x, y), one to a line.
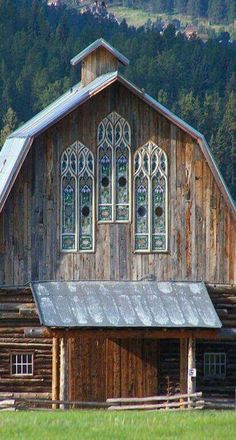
(101, 368)
(202, 236)
(17, 314)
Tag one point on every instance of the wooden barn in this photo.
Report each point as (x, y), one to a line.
(117, 248)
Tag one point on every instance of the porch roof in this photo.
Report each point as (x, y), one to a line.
(119, 304)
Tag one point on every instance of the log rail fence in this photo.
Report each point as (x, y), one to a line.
(179, 401)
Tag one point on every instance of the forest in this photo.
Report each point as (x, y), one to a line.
(216, 11)
(195, 80)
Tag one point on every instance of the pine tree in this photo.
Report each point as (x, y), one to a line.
(9, 124)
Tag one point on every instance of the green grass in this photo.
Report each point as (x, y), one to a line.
(137, 17)
(104, 425)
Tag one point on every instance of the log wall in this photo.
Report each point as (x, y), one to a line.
(218, 387)
(17, 315)
(202, 235)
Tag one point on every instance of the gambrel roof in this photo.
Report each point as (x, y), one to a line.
(19, 142)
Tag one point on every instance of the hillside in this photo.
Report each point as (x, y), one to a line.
(216, 11)
(195, 80)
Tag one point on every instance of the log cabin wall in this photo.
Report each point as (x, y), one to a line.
(217, 386)
(17, 315)
(169, 366)
(201, 230)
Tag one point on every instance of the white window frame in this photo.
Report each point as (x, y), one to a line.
(151, 147)
(77, 147)
(222, 364)
(114, 119)
(19, 364)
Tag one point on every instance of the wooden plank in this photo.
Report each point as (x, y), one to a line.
(140, 333)
(63, 371)
(55, 370)
(154, 398)
(191, 364)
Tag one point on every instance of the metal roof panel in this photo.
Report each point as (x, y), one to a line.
(125, 304)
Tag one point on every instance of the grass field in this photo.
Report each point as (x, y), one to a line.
(137, 17)
(104, 425)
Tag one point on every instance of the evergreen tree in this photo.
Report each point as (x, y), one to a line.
(216, 10)
(9, 124)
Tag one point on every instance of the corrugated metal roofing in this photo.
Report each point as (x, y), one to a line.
(10, 164)
(95, 45)
(124, 304)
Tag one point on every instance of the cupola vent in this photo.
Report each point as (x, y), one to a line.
(97, 59)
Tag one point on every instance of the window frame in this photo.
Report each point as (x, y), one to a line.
(21, 353)
(214, 365)
(150, 203)
(78, 147)
(73, 147)
(111, 117)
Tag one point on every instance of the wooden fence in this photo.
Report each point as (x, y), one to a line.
(179, 401)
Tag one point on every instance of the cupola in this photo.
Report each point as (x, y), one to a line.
(97, 59)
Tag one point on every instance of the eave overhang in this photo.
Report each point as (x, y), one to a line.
(125, 304)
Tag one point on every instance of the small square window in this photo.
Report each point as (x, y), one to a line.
(214, 365)
(22, 364)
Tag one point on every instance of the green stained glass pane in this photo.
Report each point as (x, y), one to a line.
(141, 204)
(86, 194)
(68, 204)
(141, 242)
(101, 132)
(105, 179)
(73, 162)
(68, 242)
(85, 242)
(158, 205)
(122, 213)
(159, 242)
(109, 133)
(126, 131)
(105, 213)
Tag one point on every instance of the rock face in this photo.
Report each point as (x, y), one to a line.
(99, 9)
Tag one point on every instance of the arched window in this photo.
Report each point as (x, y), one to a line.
(114, 139)
(77, 199)
(68, 199)
(150, 199)
(86, 199)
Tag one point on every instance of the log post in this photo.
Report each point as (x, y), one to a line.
(55, 371)
(63, 371)
(191, 365)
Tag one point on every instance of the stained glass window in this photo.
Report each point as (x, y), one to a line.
(86, 199)
(114, 140)
(77, 199)
(68, 199)
(150, 194)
